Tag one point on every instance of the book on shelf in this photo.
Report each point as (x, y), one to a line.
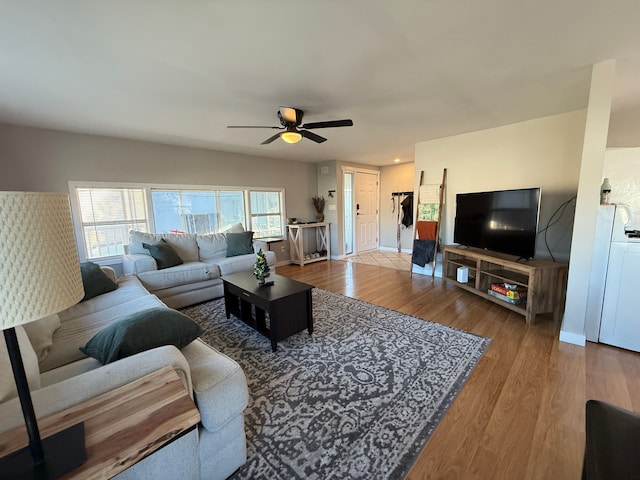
(513, 301)
(510, 291)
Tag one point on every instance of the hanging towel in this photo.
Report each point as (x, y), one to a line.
(423, 251)
(426, 230)
(407, 211)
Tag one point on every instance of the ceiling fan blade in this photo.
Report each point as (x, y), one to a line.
(251, 126)
(312, 136)
(329, 124)
(270, 139)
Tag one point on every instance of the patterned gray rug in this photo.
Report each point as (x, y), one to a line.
(357, 399)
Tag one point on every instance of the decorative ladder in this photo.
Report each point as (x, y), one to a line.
(431, 195)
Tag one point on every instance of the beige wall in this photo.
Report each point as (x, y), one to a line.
(395, 178)
(45, 160)
(544, 152)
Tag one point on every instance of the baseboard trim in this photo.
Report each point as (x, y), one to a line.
(573, 338)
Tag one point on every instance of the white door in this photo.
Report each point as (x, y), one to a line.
(620, 325)
(366, 200)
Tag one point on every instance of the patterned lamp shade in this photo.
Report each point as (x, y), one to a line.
(39, 267)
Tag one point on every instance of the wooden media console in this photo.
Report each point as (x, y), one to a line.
(544, 281)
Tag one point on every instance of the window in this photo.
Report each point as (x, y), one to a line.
(348, 212)
(266, 214)
(106, 213)
(190, 211)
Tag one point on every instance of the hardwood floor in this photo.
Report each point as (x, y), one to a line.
(521, 414)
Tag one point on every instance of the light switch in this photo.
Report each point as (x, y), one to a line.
(332, 207)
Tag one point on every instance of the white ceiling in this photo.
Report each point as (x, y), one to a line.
(405, 71)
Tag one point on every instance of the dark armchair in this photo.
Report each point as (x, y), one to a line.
(612, 449)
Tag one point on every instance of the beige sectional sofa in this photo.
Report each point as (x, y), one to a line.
(61, 376)
(197, 279)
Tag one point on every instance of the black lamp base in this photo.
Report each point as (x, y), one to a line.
(63, 451)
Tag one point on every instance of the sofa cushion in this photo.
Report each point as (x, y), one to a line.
(95, 281)
(243, 263)
(164, 255)
(76, 332)
(184, 295)
(129, 288)
(29, 360)
(136, 239)
(239, 243)
(184, 243)
(189, 272)
(213, 247)
(141, 331)
(40, 334)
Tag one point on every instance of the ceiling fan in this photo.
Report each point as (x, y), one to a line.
(291, 119)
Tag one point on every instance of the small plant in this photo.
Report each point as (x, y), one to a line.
(318, 204)
(261, 267)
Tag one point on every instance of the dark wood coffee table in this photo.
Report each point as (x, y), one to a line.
(287, 302)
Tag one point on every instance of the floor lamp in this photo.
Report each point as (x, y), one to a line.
(39, 276)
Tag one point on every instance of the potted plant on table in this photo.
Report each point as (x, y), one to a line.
(318, 204)
(261, 267)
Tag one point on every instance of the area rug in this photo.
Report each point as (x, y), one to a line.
(357, 399)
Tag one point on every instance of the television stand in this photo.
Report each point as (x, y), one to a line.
(544, 281)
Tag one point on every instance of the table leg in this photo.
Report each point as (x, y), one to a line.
(309, 312)
(227, 302)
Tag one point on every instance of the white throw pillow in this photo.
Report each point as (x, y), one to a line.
(236, 228)
(184, 244)
(40, 334)
(213, 247)
(136, 239)
(30, 361)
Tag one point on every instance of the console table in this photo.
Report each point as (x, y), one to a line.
(297, 242)
(122, 426)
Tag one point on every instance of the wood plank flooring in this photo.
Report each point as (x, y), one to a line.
(521, 414)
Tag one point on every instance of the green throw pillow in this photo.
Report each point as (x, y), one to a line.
(95, 281)
(164, 255)
(239, 243)
(142, 331)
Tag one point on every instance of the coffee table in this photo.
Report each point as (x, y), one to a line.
(287, 303)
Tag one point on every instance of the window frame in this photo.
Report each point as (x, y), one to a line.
(250, 213)
(78, 225)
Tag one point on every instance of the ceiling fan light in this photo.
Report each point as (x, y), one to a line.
(291, 137)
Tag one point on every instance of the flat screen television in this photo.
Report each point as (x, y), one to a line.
(504, 221)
